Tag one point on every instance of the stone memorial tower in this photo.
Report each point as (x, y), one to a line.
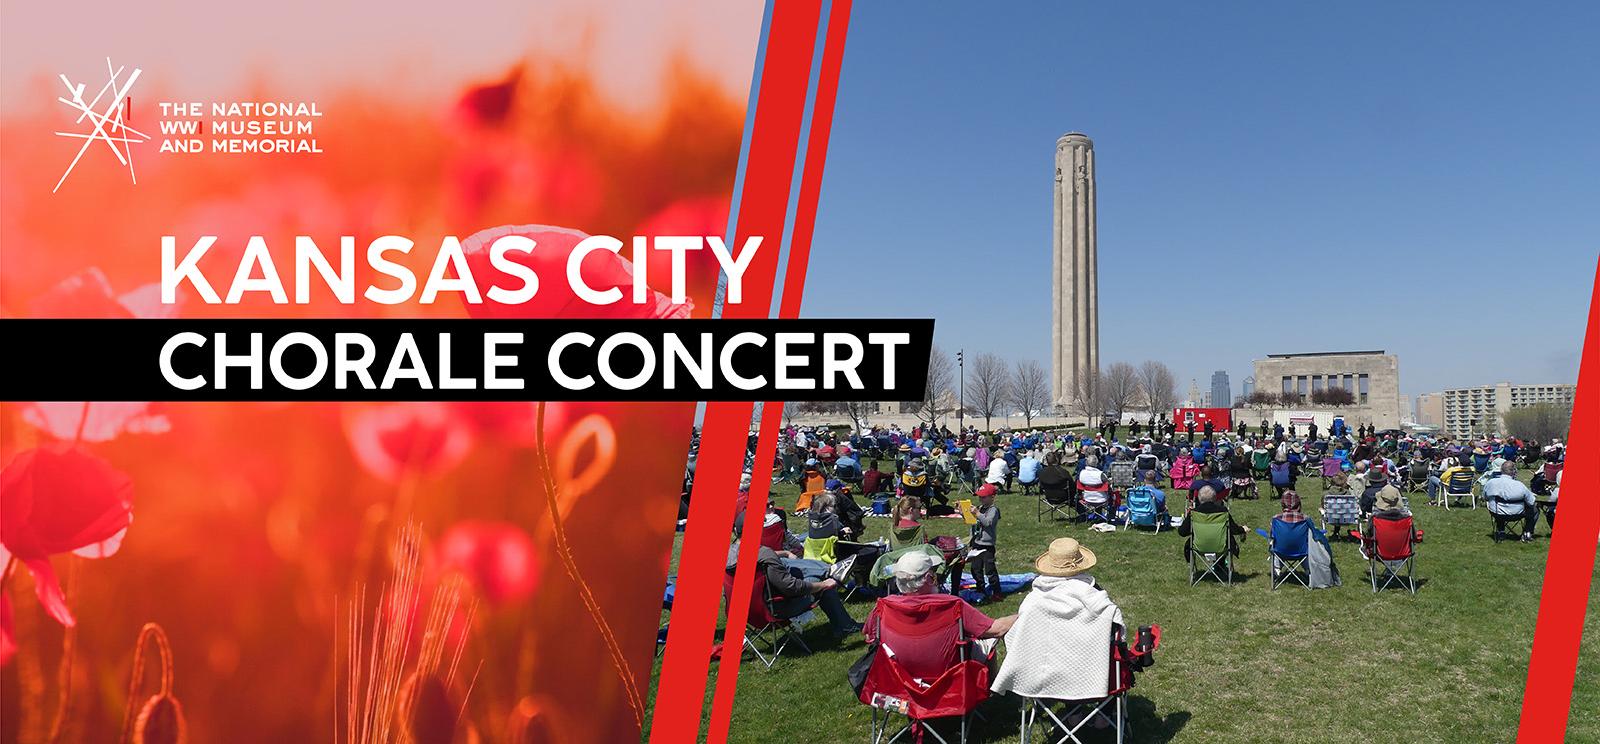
(1075, 300)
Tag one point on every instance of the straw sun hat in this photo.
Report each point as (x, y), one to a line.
(1066, 557)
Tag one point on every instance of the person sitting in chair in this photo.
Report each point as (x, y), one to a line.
(1028, 471)
(914, 483)
(1056, 480)
(1388, 504)
(999, 471)
(1208, 478)
(1059, 648)
(1510, 501)
(1377, 479)
(1093, 489)
(874, 481)
(915, 575)
(1150, 490)
(794, 581)
(847, 468)
(1206, 502)
(1291, 508)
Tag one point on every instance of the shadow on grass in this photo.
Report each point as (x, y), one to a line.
(1000, 719)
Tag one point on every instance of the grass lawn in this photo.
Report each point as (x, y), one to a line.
(1245, 663)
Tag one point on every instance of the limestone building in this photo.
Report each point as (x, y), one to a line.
(1476, 410)
(1430, 409)
(1075, 305)
(1372, 377)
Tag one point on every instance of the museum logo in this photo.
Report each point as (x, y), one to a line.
(103, 118)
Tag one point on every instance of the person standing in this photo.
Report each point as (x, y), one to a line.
(981, 557)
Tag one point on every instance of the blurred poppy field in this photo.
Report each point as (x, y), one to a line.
(429, 572)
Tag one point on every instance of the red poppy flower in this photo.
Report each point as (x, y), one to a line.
(400, 438)
(96, 422)
(61, 499)
(514, 422)
(8, 641)
(489, 104)
(707, 215)
(555, 298)
(498, 558)
(88, 294)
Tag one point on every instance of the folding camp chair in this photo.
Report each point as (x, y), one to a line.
(1099, 502)
(1527, 519)
(883, 568)
(1210, 547)
(1391, 550)
(1330, 467)
(1054, 718)
(1142, 509)
(762, 627)
(1121, 474)
(1144, 463)
(1057, 505)
(1288, 547)
(925, 667)
(1459, 484)
(821, 549)
(1340, 510)
(1416, 480)
(814, 484)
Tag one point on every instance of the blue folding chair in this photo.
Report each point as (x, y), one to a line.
(1142, 510)
(1288, 547)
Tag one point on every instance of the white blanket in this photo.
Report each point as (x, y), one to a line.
(1060, 646)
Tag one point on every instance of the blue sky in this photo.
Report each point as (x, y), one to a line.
(1273, 178)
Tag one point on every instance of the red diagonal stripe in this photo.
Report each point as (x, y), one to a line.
(769, 169)
(794, 285)
(1569, 566)
(805, 216)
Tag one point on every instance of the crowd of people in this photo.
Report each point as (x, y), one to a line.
(911, 475)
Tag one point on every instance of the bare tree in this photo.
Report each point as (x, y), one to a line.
(857, 410)
(1086, 397)
(936, 398)
(1333, 396)
(1119, 387)
(990, 389)
(1159, 387)
(1030, 390)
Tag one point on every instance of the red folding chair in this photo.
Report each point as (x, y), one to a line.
(1093, 507)
(1391, 550)
(925, 667)
(762, 627)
